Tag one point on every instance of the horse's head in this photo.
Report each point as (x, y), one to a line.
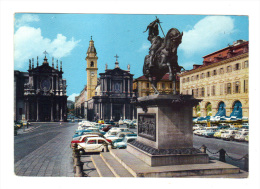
(173, 38)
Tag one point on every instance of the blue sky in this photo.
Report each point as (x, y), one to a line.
(66, 37)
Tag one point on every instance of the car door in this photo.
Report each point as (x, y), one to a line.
(91, 145)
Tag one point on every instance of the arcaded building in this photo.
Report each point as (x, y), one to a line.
(221, 82)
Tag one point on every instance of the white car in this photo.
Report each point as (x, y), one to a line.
(94, 144)
(123, 143)
(120, 122)
(229, 134)
(119, 135)
(119, 129)
(241, 135)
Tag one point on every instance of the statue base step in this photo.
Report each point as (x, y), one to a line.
(159, 157)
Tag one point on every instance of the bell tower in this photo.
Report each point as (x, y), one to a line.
(91, 69)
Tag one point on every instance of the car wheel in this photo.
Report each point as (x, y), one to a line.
(81, 151)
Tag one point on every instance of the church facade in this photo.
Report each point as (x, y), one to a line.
(114, 93)
(44, 93)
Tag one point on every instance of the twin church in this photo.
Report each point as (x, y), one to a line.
(108, 96)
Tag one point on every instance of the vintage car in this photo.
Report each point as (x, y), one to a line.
(81, 139)
(218, 133)
(94, 144)
(120, 122)
(123, 144)
(241, 134)
(107, 127)
(132, 124)
(83, 132)
(119, 135)
(229, 134)
(209, 132)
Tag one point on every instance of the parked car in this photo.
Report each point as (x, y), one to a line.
(247, 138)
(81, 139)
(120, 122)
(132, 124)
(110, 123)
(94, 144)
(18, 124)
(101, 121)
(119, 135)
(123, 144)
(107, 127)
(119, 129)
(229, 134)
(90, 133)
(198, 131)
(218, 133)
(90, 130)
(240, 135)
(209, 132)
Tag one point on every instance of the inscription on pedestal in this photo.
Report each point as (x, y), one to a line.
(147, 126)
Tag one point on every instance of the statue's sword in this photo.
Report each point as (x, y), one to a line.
(160, 26)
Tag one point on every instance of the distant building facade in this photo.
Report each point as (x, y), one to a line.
(20, 78)
(41, 93)
(222, 82)
(142, 87)
(113, 96)
(80, 103)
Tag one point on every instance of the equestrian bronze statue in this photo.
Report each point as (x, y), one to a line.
(162, 56)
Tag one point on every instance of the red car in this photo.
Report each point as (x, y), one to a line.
(107, 128)
(83, 139)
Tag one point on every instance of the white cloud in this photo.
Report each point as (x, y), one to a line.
(206, 34)
(72, 96)
(25, 19)
(29, 43)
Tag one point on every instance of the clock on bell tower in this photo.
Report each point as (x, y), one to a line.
(91, 69)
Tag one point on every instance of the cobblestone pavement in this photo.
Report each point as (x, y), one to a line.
(53, 158)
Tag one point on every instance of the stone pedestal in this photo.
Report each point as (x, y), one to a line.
(165, 134)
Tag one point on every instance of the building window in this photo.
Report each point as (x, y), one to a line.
(229, 69)
(202, 75)
(170, 85)
(221, 70)
(163, 85)
(208, 74)
(213, 90)
(246, 64)
(197, 77)
(91, 64)
(245, 86)
(214, 72)
(202, 92)
(228, 88)
(237, 87)
(147, 85)
(192, 78)
(188, 79)
(237, 66)
(183, 80)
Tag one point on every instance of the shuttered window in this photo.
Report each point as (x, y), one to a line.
(245, 86)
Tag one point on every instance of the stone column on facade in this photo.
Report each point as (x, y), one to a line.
(37, 109)
(129, 87)
(61, 112)
(111, 111)
(52, 111)
(57, 111)
(124, 112)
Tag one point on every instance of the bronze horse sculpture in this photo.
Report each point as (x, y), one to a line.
(162, 56)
